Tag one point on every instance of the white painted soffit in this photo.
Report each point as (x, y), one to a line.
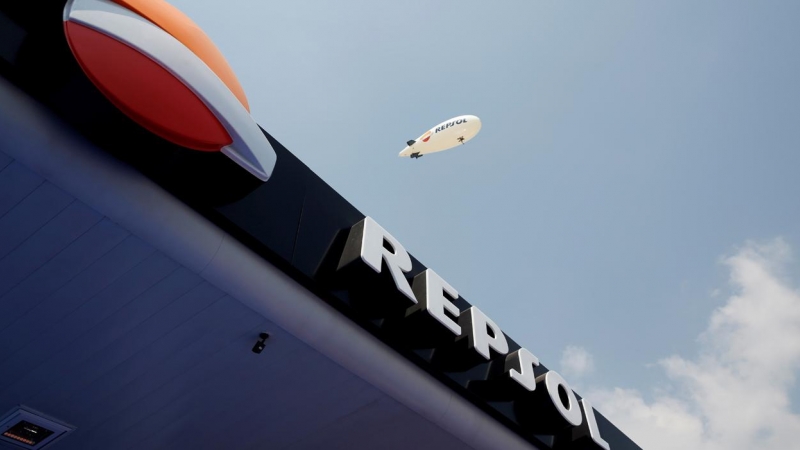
(41, 142)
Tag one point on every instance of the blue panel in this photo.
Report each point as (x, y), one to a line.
(133, 420)
(16, 183)
(12, 391)
(127, 318)
(384, 424)
(180, 350)
(51, 239)
(92, 281)
(30, 214)
(222, 375)
(305, 380)
(294, 419)
(53, 386)
(59, 336)
(5, 160)
(24, 289)
(353, 431)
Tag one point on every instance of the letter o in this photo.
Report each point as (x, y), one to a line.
(563, 398)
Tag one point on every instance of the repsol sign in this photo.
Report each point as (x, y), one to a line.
(449, 124)
(427, 316)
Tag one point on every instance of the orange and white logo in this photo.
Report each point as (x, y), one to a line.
(426, 136)
(162, 71)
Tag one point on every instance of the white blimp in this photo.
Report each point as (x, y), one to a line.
(446, 135)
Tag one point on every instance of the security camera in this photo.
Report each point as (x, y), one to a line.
(259, 347)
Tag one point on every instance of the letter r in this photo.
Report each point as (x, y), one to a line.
(366, 241)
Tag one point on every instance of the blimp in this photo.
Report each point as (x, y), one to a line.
(444, 136)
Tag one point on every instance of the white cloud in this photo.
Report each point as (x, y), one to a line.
(576, 362)
(734, 394)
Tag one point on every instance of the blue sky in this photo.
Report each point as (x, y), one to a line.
(627, 149)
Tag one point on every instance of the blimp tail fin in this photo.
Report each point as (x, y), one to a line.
(411, 142)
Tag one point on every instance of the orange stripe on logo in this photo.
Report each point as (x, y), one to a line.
(182, 28)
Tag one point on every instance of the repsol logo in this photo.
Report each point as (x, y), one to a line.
(545, 395)
(167, 76)
(449, 124)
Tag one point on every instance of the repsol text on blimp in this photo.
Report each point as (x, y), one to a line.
(370, 245)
